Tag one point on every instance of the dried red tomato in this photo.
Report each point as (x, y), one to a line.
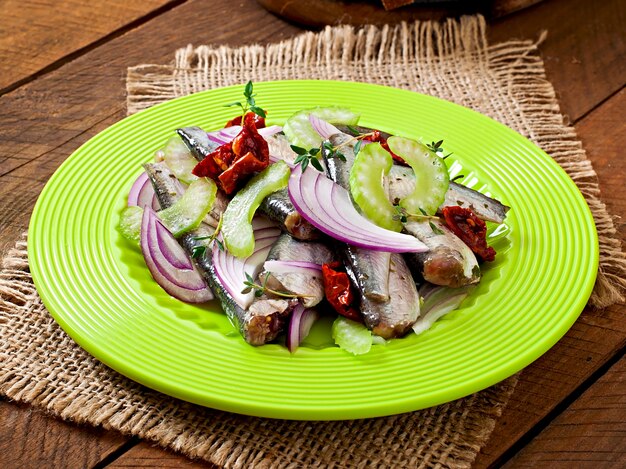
(377, 137)
(248, 164)
(232, 162)
(213, 165)
(249, 140)
(338, 291)
(258, 120)
(472, 230)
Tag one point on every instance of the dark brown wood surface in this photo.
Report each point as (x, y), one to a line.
(565, 399)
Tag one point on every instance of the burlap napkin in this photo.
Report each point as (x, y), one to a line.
(43, 366)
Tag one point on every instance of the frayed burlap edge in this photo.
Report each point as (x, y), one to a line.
(42, 366)
(451, 60)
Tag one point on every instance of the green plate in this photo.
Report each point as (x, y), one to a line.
(99, 290)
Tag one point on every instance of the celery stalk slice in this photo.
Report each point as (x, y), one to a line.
(237, 218)
(370, 166)
(189, 211)
(300, 132)
(431, 175)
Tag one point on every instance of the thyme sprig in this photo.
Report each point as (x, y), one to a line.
(307, 156)
(404, 215)
(199, 251)
(250, 103)
(259, 290)
(437, 149)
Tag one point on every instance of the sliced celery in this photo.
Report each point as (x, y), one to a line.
(300, 132)
(187, 213)
(351, 336)
(431, 175)
(370, 166)
(237, 218)
(179, 159)
(130, 223)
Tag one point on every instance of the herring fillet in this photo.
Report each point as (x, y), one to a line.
(309, 286)
(448, 261)
(389, 300)
(265, 318)
(277, 206)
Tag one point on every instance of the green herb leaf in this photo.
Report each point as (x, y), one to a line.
(314, 151)
(357, 147)
(220, 245)
(249, 278)
(304, 164)
(198, 251)
(246, 290)
(316, 164)
(423, 212)
(353, 130)
(257, 110)
(435, 229)
(298, 150)
(236, 103)
(247, 92)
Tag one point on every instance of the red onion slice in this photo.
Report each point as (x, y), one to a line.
(323, 128)
(184, 284)
(328, 207)
(232, 270)
(300, 325)
(286, 267)
(142, 193)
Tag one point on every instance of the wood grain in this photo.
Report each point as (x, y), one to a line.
(34, 34)
(583, 53)
(146, 455)
(598, 334)
(44, 121)
(30, 439)
(588, 434)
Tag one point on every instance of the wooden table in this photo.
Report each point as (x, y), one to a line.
(62, 69)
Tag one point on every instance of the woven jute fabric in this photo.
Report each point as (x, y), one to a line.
(41, 365)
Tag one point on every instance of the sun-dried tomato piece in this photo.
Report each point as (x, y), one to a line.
(231, 164)
(249, 140)
(240, 169)
(258, 121)
(470, 229)
(377, 137)
(214, 164)
(338, 291)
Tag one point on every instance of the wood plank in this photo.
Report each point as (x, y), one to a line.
(35, 34)
(147, 455)
(597, 335)
(588, 434)
(44, 121)
(47, 119)
(584, 51)
(31, 439)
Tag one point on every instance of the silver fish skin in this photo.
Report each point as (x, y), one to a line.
(279, 208)
(448, 262)
(394, 318)
(370, 268)
(197, 141)
(308, 286)
(401, 180)
(266, 317)
(279, 147)
(276, 206)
